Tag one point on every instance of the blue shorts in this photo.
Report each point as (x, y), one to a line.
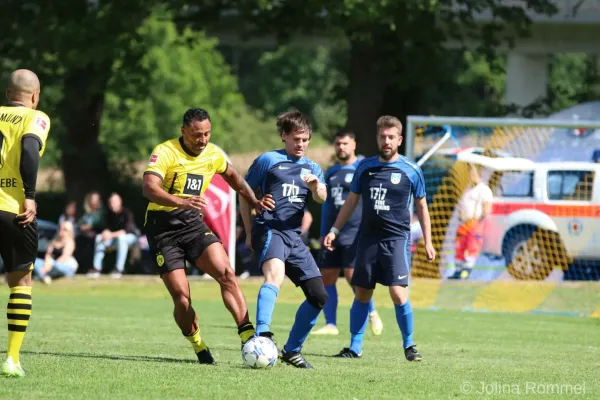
(386, 262)
(288, 247)
(340, 257)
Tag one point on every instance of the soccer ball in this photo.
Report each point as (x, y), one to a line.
(259, 352)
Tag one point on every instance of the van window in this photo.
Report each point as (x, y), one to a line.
(512, 183)
(570, 185)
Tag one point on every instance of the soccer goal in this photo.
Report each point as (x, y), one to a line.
(543, 211)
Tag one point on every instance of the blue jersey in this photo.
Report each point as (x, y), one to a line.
(280, 175)
(338, 179)
(386, 189)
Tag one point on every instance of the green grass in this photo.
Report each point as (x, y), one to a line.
(117, 340)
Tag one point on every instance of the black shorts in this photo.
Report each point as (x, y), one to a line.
(18, 245)
(171, 245)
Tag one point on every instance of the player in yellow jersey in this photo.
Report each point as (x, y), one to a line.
(178, 173)
(23, 133)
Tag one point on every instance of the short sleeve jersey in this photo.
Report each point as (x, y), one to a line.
(16, 123)
(386, 189)
(281, 176)
(338, 179)
(184, 174)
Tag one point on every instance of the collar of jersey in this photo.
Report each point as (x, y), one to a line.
(288, 157)
(186, 150)
(11, 104)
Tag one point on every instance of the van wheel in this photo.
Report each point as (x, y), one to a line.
(531, 253)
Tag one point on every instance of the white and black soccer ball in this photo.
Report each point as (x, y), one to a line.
(260, 352)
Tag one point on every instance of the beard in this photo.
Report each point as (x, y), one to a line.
(342, 156)
(387, 156)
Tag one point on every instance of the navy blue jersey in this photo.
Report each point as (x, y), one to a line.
(386, 189)
(338, 179)
(280, 175)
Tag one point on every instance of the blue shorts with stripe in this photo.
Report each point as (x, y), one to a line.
(339, 257)
(288, 247)
(386, 262)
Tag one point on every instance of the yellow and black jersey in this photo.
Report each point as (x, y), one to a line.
(184, 174)
(17, 122)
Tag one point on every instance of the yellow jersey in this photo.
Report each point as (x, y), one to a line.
(16, 122)
(184, 174)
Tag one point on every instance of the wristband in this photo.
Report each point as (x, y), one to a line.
(335, 231)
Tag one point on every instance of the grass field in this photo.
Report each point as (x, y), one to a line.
(117, 340)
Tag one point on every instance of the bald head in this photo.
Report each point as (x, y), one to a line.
(24, 88)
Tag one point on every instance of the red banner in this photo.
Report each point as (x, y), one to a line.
(220, 213)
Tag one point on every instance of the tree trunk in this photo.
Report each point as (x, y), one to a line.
(365, 96)
(84, 163)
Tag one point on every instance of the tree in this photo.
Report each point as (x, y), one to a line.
(398, 49)
(73, 45)
(298, 77)
(173, 71)
(81, 50)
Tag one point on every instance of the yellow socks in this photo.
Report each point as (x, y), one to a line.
(246, 331)
(18, 313)
(196, 341)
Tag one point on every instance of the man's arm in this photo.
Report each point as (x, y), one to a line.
(307, 220)
(154, 192)
(320, 195)
(347, 210)
(239, 184)
(425, 222)
(29, 164)
(246, 214)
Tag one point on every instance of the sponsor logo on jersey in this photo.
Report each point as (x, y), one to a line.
(41, 123)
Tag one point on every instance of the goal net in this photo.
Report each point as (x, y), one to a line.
(510, 200)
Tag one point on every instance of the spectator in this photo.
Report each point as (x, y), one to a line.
(59, 260)
(70, 213)
(87, 227)
(91, 222)
(120, 233)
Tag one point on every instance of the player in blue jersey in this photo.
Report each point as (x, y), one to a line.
(274, 236)
(338, 178)
(385, 184)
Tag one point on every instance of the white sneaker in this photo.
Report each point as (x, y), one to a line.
(376, 323)
(12, 369)
(47, 280)
(116, 275)
(93, 274)
(244, 275)
(328, 329)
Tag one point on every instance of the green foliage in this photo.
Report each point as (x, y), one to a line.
(574, 78)
(176, 70)
(307, 79)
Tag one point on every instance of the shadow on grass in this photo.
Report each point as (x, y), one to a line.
(112, 357)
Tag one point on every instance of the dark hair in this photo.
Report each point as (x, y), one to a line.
(195, 114)
(292, 121)
(344, 133)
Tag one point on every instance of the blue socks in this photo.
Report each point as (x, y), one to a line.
(404, 317)
(371, 302)
(265, 306)
(330, 309)
(359, 316)
(306, 318)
